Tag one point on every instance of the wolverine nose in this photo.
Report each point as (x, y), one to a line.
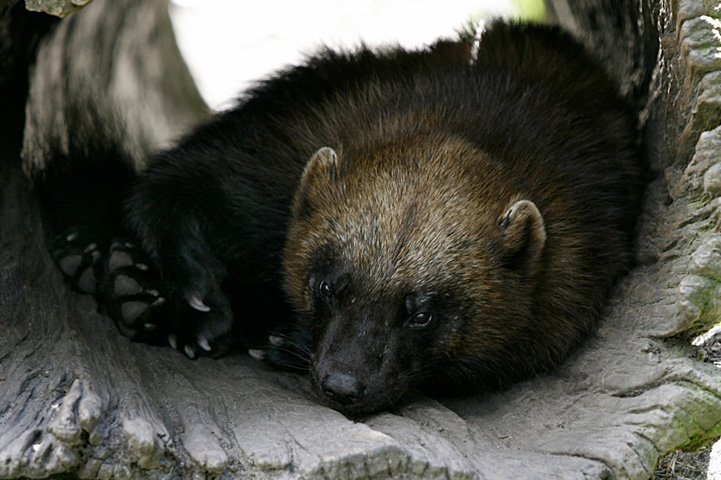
(344, 389)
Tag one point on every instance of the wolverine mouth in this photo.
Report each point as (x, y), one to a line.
(342, 392)
(358, 411)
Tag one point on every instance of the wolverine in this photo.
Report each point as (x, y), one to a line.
(449, 218)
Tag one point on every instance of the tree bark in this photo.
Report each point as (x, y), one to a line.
(77, 398)
(59, 8)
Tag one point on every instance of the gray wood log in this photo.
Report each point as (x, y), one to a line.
(76, 397)
(59, 8)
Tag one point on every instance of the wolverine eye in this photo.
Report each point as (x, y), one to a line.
(324, 289)
(420, 320)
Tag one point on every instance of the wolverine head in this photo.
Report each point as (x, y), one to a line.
(411, 261)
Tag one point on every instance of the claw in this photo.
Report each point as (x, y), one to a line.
(189, 352)
(276, 341)
(203, 343)
(195, 302)
(173, 341)
(257, 354)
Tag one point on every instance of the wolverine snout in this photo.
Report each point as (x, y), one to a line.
(343, 388)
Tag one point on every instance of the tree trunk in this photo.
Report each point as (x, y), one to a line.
(77, 398)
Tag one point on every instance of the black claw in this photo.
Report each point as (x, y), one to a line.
(158, 302)
(203, 343)
(257, 354)
(189, 352)
(196, 303)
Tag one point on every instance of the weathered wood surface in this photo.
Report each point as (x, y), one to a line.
(59, 8)
(76, 397)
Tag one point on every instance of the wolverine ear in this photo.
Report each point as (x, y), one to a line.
(322, 166)
(524, 235)
(320, 172)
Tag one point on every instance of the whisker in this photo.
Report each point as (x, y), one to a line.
(295, 353)
(300, 346)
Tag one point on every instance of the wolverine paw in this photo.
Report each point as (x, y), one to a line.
(201, 331)
(133, 296)
(78, 255)
(290, 350)
(130, 293)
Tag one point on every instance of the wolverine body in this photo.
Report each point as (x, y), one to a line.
(459, 223)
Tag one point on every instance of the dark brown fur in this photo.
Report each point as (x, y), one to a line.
(459, 224)
(423, 201)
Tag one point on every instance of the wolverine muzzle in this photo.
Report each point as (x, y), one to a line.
(343, 388)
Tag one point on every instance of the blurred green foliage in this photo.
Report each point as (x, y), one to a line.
(534, 10)
(531, 9)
